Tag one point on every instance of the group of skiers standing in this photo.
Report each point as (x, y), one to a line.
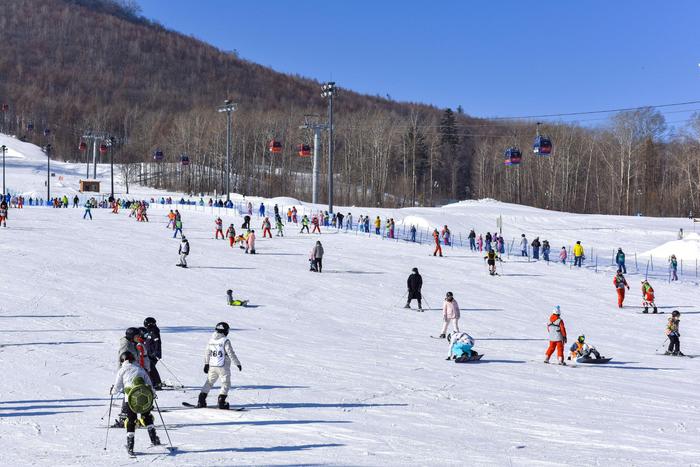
(138, 379)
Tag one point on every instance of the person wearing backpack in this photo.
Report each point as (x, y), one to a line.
(134, 382)
(620, 284)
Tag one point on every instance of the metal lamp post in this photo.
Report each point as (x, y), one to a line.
(4, 149)
(228, 107)
(47, 134)
(329, 90)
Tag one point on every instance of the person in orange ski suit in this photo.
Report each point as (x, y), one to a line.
(438, 248)
(557, 336)
(620, 283)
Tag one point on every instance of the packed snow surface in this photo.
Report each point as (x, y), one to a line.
(687, 248)
(335, 371)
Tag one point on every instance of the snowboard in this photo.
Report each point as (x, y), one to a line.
(181, 266)
(193, 406)
(593, 360)
(469, 360)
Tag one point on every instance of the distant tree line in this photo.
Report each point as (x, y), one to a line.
(75, 65)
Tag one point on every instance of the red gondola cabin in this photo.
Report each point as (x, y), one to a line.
(275, 147)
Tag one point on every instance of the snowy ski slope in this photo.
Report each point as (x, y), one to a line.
(335, 372)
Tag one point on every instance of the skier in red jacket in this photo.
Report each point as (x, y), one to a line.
(438, 248)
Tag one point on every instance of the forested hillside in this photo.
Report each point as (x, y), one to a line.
(76, 65)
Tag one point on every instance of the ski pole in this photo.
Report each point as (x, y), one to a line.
(662, 345)
(155, 401)
(174, 375)
(403, 296)
(109, 418)
(426, 302)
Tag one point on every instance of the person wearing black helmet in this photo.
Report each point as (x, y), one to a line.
(183, 251)
(415, 284)
(674, 335)
(127, 344)
(151, 337)
(217, 365)
(133, 381)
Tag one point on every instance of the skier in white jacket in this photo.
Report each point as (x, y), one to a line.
(217, 365)
(129, 376)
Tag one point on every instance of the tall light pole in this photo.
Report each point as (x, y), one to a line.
(4, 149)
(329, 90)
(228, 107)
(316, 127)
(111, 142)
(47, 133)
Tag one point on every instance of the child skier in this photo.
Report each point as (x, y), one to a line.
(673, 334)
(231, 235)
(580, 349)
(219, 228)
(250, 243)
(304, 224)
(267, 227)
(450, 312)
(648, 297)
(563, 255)
(557, 336)
(88, 207)
(436, 238)
(217, 365)
(171, 220)
(316, 223)
(674, 268)
(461, 345)
(279, 226)
(131, 380)
(620, 283)
(446, 235)
(491, 258)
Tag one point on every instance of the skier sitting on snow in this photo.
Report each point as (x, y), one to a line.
(580, 349)
(217, 365)
(648, 297)
(234, 301)
(461, 345)
(132, 379)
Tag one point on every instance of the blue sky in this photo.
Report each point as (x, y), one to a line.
(494, 58)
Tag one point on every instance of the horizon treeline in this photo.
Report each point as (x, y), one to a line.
(78, 65)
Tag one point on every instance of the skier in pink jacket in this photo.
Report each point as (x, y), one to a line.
(250, 243)
(450, 312)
